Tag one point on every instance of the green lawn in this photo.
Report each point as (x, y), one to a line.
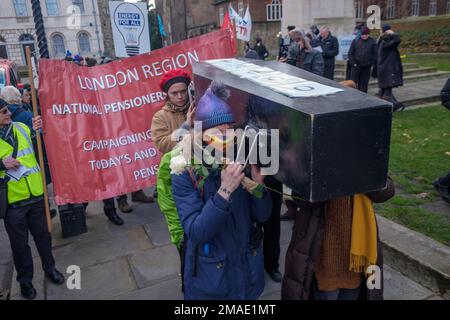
(420, 141)
(439, 61)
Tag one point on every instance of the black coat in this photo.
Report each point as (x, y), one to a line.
(445, 95)
(262, 51)
(389, 65)
(363, 53)
(330, 48)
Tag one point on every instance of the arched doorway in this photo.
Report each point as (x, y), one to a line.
(26, 40)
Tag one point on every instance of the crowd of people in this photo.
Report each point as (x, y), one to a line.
(315, 51)
(225, 235)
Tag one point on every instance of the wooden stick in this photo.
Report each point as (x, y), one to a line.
(39, 139)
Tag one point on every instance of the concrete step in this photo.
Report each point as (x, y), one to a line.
(409, 78)
(416, 256)
(420, 101)
(406, 66)
(406, 72)
(343, 64)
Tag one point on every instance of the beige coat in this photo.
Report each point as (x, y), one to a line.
(164, 123)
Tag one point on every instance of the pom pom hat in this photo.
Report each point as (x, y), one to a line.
(172, 77)
(212, 108)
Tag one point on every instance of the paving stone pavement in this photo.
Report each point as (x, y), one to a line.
(6, 267)
(137, 261)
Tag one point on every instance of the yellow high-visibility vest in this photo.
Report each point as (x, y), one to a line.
(26, 187)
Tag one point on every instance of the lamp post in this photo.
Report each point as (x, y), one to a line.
(40, 30)
(94, 13)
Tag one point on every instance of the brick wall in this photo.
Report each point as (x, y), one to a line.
(267, 30)
(200, 17)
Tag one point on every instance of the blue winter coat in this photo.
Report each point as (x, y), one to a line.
(220, 262)
(20, 114)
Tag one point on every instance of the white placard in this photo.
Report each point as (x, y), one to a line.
(344, 46)
(129, 22)
(291, 86)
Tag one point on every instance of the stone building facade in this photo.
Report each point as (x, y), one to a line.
(16, 32)
(401, 9)
(339, 15)
(69, 25)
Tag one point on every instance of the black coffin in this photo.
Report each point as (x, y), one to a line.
(330, 146)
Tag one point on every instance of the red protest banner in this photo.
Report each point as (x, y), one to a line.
(97, 120)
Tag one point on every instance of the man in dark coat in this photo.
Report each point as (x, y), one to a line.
(445, 95)
(330, 49)
(362, 56)
(389, 69)
(306, 246)
(357, 32)
(261, 49)
(442, 184)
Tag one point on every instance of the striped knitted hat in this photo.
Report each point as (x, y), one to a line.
(212, 109)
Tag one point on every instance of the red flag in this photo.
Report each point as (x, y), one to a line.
(228, 25)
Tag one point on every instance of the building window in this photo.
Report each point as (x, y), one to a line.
(3, 51)
(448, 7)
(84, 43)
(390, 9)
(359, 10)
(52, 7)
(433, 7)
(221, 16)
(26, 40)
(58, 46)
(415, 7)
(21, 8)
(274, 11)
(241, 8)
(80, 4)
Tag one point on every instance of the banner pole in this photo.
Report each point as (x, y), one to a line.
(38, 139)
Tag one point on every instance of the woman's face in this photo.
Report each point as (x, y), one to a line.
(5, 117)
(178, 94)
(26, 97)
(299, 41)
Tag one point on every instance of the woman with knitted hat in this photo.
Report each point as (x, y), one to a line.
(178, 112)
(223, 252)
